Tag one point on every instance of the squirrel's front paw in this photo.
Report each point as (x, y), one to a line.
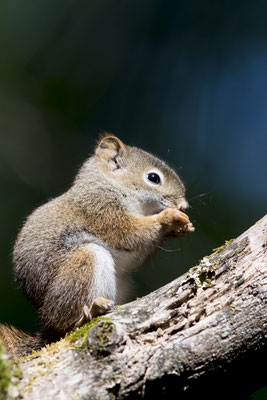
(175, 221)
(181, 231)
(173, 217)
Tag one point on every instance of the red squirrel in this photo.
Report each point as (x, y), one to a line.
(71, 254)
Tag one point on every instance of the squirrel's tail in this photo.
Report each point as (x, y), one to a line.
(18, 343)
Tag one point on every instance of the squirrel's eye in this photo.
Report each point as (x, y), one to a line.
(154, 178)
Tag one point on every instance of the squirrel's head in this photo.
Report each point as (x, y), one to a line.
(142, 179)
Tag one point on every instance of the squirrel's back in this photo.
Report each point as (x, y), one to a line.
(39, 248)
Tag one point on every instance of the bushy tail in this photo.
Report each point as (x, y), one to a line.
(18, 343)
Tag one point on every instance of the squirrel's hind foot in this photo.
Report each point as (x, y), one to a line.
(99, 306)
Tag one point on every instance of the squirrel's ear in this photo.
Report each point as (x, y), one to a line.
(111, 150)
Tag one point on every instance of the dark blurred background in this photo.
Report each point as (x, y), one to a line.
(186, 80)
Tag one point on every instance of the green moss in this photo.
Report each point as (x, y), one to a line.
(104, 333)
(5, 376)
(18, 373)
(76, 396)
(202, 274)
(247, 250)
(10, 374)
(80, 334)
(204, 280)
(221, 248)
(102, 338)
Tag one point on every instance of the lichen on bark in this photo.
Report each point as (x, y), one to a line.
(206, 329)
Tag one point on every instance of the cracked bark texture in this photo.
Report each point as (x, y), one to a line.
(202, 334)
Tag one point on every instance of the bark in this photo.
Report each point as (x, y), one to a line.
(202, 334)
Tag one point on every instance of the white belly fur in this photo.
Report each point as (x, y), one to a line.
(111, 267)
(104, 281)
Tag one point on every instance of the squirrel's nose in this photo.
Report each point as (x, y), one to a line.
(183, 205)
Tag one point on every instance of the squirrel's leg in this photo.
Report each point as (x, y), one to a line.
(83, 287)
(149, 229)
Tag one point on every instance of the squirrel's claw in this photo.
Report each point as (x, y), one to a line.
(99, 306)
(86, 316)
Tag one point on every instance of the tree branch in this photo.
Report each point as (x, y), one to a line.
(204, 333)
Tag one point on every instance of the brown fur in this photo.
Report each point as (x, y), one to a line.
(111, 204)
(66, 294)
(18, 343)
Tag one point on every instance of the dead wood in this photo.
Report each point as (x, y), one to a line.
(202, 334)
